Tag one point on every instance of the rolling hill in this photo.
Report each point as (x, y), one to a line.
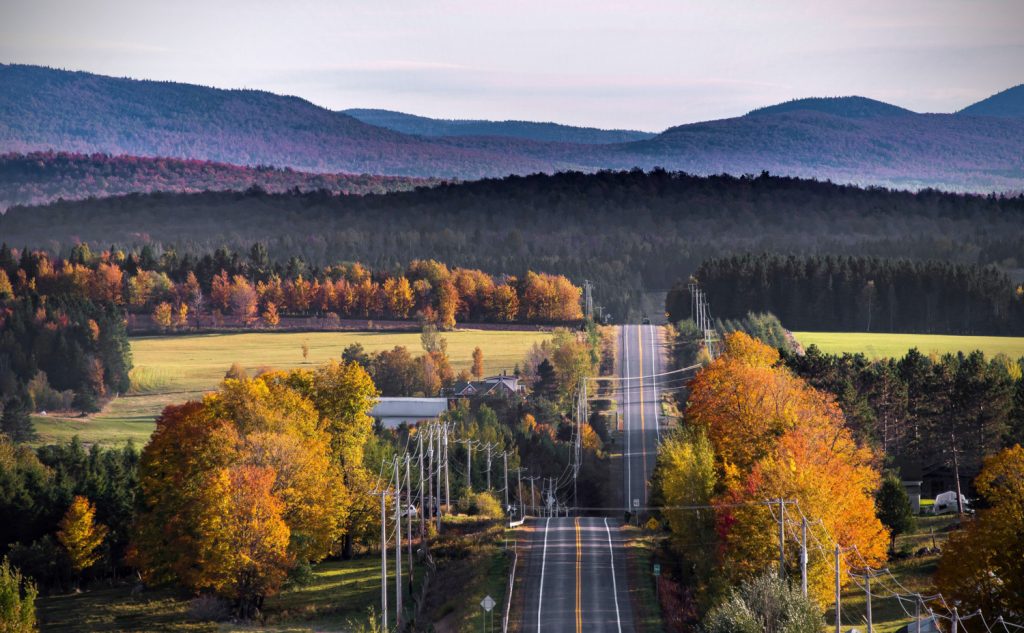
(1008, 103)
(530, 130)
(42, 177)
(850, 139)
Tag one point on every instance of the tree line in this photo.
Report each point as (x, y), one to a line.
(860, 294)
(181, 292)
(628, 232)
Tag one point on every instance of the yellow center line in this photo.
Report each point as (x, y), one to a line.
(643, 432)
(579, 559)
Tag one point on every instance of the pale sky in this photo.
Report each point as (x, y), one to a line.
(639, 64)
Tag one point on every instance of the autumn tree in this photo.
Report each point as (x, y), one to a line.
(982, 566)
(220, 291)
(270, 316)
(447, 305)
(181, 315)
(775, 437)
(163, 315)
(6, 289)
(399, 296)
(243, 299)
(80, 535)
(478, 363)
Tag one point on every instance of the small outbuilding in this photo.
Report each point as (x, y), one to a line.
(393, 412)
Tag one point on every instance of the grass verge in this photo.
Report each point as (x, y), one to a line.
(641, 546)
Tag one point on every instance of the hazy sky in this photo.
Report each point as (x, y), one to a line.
(637, 64)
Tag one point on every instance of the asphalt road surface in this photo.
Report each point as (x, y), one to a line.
(640, 362)
(576, 566)
(576, 580)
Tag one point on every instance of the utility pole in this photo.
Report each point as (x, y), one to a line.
(408, 517)
(383, 561)
(867, 584)
(519, 493)
(438, 514)
(803, 555)
(782, 538)
(447, 487)
(469, 465)
(488, 466)
(588, 299)
(398, 546)
(839, 587)
(429, 508)
(504, 455)
(956, 622)
(423, 508)
(533, 496)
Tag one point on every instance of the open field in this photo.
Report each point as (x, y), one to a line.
(896, 345)
(341, 592)
(171, 369)
(913, 574)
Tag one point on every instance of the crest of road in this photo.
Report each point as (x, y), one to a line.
(576, 576)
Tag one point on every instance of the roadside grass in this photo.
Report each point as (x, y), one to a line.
(913, 574)
(173, 369)
(896, 345)
(341, 592)
(640, 548)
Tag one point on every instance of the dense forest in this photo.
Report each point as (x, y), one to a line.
(860, 294)
(628, 232)
(42, 177)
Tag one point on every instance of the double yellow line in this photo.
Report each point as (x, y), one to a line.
(643, 430)
(579, 561)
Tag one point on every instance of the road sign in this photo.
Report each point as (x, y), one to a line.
(488, 603)
(636, 503)
(657, 569)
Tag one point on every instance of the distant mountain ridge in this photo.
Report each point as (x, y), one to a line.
(1008, 103)
(851, 107)
(851, 140)
(531, 130)
(42, 177)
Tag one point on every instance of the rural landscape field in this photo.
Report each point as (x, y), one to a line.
(532, 317)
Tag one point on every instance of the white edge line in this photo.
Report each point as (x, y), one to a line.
(511, 588)
(543, 562)
(615, 587)
(654, 383)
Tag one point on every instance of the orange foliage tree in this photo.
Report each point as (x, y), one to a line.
(776, 437)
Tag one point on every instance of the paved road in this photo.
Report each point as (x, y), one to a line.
(576, 567)
(576, 580)
(640, 361)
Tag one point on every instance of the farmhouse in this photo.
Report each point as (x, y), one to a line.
(501, 386)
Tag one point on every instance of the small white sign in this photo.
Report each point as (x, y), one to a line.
(636, 503)
(488, 603)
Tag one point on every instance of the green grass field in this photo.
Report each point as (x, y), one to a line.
(341, 592)
(170, 369)
(896, 345)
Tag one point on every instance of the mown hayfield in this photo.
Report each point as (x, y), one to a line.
(170, 369)
(896, 345)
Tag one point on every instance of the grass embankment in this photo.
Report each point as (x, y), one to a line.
(897, 345)
(341, 592)
(913, 574)
(170, 369)
(641, 546)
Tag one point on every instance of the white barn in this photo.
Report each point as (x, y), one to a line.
(393, 412)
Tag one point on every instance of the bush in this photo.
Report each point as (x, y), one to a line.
(208, 608)
(17, 601)
(485, 504)
(765, 604)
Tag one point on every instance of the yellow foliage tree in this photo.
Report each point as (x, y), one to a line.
(163, 315)
(982, 566)
(80, 535)
(478, 363)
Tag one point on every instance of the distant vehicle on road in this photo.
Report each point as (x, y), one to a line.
(646, 320)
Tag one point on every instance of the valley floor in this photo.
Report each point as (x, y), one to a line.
(176, 368)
